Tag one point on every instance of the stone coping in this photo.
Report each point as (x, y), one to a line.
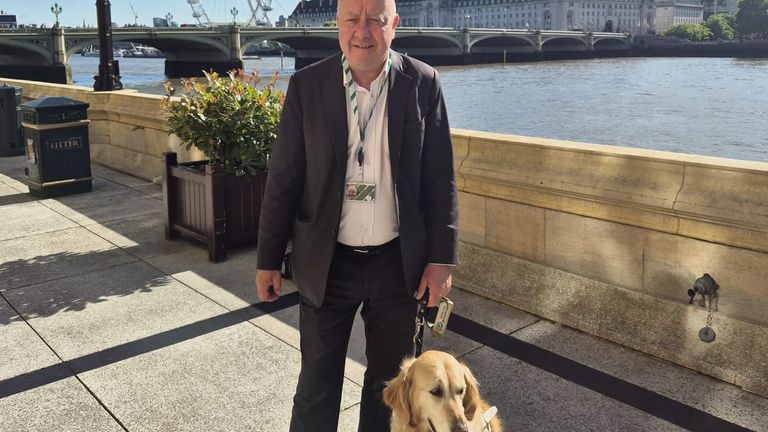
(714, 199)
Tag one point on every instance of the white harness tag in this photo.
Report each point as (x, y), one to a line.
(487, 416)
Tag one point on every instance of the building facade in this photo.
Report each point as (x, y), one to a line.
(635, 16)
(673, 12)
(8, 21)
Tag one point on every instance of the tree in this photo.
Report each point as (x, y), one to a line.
(720, 27)
(752, 17)
(693, 32)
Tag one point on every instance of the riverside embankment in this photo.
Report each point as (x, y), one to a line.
(603, 239)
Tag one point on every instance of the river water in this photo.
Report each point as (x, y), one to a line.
(707, 106)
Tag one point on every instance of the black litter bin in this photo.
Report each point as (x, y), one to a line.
(11, 143)
(58, 154)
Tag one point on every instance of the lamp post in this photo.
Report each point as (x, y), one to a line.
(234, 13)
(56, 9)
(168, 18)
(108, 78)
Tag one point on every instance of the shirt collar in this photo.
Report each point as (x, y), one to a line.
(376, 83)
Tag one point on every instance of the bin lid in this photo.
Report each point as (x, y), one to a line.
(53, 102)
(5, 87)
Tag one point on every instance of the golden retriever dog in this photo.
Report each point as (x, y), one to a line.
(436, 393)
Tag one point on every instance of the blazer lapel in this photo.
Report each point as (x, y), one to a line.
(335, 97)
(399, 88)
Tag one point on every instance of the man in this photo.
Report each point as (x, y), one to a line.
(361, 179)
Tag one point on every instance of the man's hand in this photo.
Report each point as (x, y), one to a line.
(268, 284)
(437, 278)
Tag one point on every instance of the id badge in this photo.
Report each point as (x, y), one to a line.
(361, 191)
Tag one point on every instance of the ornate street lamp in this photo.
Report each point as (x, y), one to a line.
(108, 78)
(56, 9)
(168, 18)
(234, 13)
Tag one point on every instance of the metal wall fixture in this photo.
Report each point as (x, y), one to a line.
(707, 287)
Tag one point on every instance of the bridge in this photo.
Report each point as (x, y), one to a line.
(43, 54)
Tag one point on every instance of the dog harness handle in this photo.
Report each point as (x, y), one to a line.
(421, 322)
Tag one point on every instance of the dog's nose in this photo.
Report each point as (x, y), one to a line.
(459, 427)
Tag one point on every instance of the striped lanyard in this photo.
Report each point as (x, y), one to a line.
(350, 83)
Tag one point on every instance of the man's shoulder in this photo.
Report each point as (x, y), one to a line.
(417, 68)
(319, 68)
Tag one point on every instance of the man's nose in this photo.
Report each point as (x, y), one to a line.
(363, 29)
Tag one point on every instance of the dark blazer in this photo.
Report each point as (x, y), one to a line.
(307, 172)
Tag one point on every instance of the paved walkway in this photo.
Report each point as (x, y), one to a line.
(105, 326)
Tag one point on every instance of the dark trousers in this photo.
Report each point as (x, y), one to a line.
(376, 280)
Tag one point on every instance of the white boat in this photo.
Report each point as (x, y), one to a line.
(142, 51)
(95, 53)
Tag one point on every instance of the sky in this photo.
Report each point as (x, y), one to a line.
(75, 11)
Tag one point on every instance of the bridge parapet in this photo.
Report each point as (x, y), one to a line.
(188, 51)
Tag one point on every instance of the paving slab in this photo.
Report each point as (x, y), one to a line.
(9, 195)
(86, 313)
(18, 186)
(23, 219)
(92, 208)
(30, 260)
(530, 399)
(62, 406)
(237, 378)
(142, 236)
(229, 283)
(349, 418)
(118, 177)
(710, 395)
(13, 168)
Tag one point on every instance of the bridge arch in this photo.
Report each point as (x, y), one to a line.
(415, 44)
(511, 43)
(297, 42)
(563, 43)
(24, 53)
(611, 44)
(173, 48)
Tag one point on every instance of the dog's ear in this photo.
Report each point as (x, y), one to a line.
(397, 393)
(471, 394)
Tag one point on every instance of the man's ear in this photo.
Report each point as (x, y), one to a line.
(397, 393)
(471, 395)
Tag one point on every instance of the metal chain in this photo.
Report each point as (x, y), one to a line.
(711, 311)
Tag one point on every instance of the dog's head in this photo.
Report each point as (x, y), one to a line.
(433, 392)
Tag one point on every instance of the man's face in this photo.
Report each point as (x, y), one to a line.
(366, 30)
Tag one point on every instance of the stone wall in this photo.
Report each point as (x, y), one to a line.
(603, 239)
(608, 240)
(128, 131)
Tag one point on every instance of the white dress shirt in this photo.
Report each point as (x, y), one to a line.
(370, 223)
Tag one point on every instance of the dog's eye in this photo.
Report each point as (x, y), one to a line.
(460, 392)
(436, 392)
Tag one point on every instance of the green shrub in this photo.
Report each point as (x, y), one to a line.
(227, 118)
(692, 32)
(720, 27)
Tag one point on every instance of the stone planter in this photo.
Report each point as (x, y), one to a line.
(202, 202)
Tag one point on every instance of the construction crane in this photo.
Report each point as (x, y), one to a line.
(135, 16)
